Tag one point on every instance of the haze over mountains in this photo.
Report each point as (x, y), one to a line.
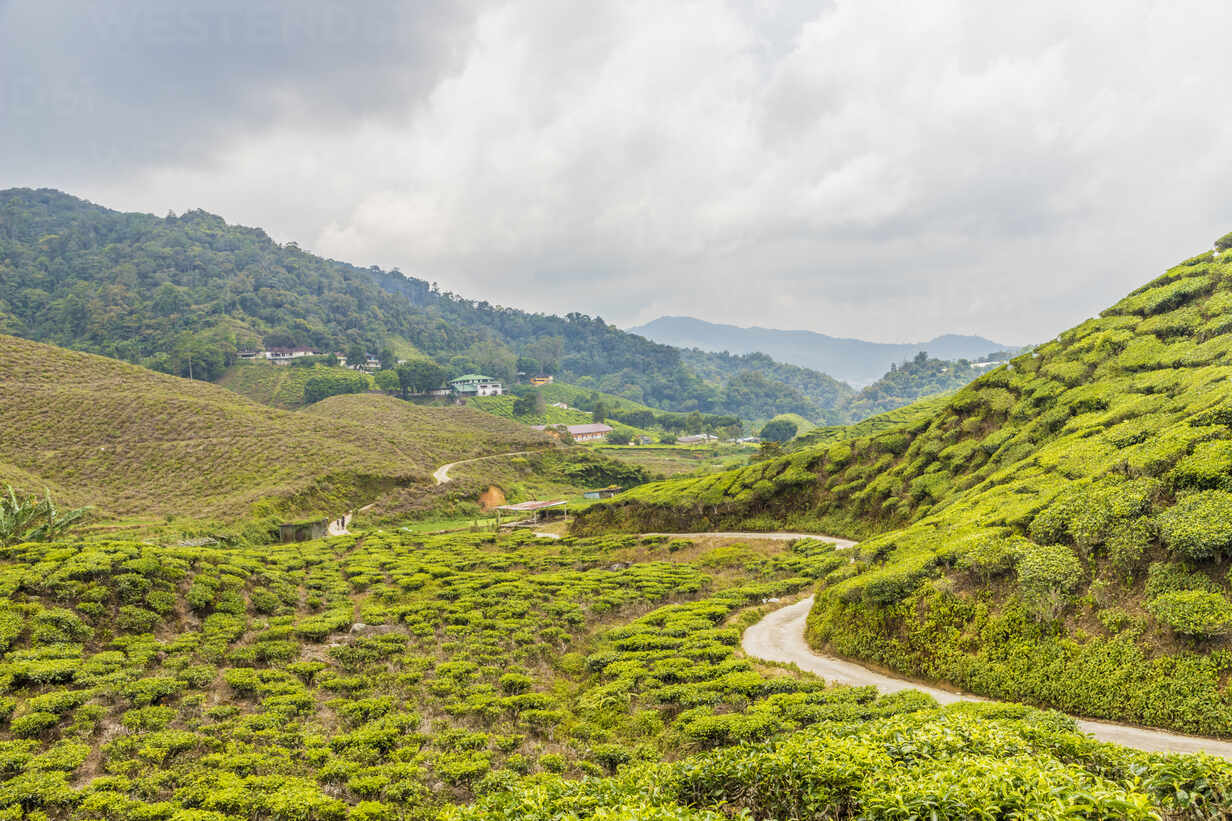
(855, 361)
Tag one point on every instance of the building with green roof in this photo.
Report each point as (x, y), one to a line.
(475, 384)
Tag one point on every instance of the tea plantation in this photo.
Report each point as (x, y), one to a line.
(1059, 532)
(386, 676)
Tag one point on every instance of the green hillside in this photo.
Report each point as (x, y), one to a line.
(389, 676)
(129, 441)
(279, 386)
(181, 294)
(905, 383)
(1058, 532)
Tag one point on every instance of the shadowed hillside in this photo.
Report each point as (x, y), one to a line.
(127, 440)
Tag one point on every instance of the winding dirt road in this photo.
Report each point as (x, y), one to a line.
(780, 637)
(842, 544)
(441, 475)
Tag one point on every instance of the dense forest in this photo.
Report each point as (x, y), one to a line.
(917, 377)
(182, 294)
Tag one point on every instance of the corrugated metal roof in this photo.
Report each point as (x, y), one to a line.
(525, 506)
(597, 427)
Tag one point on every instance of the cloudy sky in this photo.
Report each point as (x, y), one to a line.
(864, 168)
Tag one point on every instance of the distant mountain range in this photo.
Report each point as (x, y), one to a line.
(854, 361)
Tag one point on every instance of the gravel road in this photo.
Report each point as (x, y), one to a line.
(780, 637)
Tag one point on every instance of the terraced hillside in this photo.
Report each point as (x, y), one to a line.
(130, 441)
(276, 385)
(394, 677)
(1058, 532)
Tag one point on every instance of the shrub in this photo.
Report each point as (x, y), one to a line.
(612, 756)
(1127, 545)
(1194, 612)
(1171, 577)
(33, 724)
(1198, 526)
(992, 556)
(515, 683)
(1047, 575)
(552, 762)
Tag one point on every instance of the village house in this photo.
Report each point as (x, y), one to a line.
(474, 384)
(595, 432)
(281, 356)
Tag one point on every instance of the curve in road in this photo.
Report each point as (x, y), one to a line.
(780, 637)
(441, 474)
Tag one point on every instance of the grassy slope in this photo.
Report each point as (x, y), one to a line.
(1100, 441)
(279, 386)
(389, 676)
(132, 441)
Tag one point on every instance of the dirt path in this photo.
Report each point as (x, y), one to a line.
(842, 544)
(441, 475)
(780, 637)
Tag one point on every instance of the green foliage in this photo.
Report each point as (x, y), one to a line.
(166, 446)
(1194, 612)
(334, 384)
(1199, 526)
(31, 519)
(778, 430)
(185, 294)
(1047, 575)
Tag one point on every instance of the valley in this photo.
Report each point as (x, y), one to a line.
(1049, 539)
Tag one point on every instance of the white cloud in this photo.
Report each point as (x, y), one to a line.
(871, 168)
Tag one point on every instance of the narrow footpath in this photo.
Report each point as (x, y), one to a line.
(780, 637)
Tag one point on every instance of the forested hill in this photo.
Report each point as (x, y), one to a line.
(165, 292)
(917, 377)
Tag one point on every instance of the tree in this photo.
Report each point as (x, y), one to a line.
(356, 355)
(30, 519)
(1224, 242)
(529, 403)
(599, 412)
(387, 380)
(619, 437)
(693, 422)
(547, 351)
(779, 430)
(334, 384)
(420, 375)
(389, 359)
(529, 365)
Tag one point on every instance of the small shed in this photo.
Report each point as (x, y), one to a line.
(303, 531)
(538, 510)
(603, 492)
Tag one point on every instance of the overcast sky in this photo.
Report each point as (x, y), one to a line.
(866, 168)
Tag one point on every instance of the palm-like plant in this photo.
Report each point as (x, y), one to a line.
(30, 519)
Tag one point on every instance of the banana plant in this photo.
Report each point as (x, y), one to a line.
(30, 519)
